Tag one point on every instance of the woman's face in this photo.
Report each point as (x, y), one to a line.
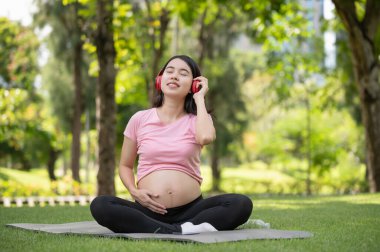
(177, 78)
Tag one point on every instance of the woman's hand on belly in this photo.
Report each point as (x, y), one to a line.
(147, 199)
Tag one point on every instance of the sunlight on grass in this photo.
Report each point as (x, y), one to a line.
(306, 202)
(246, 180)
(37, 177)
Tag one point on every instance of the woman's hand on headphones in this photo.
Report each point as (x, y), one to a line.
(203, 87)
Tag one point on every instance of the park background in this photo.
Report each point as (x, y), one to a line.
(294, 89)
(290, 92)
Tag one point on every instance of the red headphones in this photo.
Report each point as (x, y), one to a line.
(194, 87)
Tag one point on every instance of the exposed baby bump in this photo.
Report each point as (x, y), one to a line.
(173, 188)
(169, 198)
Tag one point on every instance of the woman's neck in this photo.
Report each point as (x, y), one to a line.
(171, 110)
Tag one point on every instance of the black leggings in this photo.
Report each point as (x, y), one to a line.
(224, 212)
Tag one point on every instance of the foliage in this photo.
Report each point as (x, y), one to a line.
(20, 127)
(291, 136)
(36, 183)
(292, 50)
(59, 93)
(331, 142)
(362, 26)
(25, 137)
(261, 123)
(130, 86)
(342, 74)
(249, 178)
(18, 52)
(21, 130)
(279, 136)
(227, 107)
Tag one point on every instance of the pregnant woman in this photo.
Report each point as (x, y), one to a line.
(168, 139)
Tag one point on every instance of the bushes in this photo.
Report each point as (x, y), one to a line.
(250, 178)
(12, 188)
(277, 178)
(36, 183)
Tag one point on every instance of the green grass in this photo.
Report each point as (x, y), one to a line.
(339, 223)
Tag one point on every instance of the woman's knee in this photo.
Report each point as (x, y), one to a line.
(98, 208)
(244, 204)
(247, 205)
(98, 203)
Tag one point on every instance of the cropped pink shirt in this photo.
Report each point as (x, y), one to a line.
(164, 146)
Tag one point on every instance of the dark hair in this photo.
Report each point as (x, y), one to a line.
(190, 106)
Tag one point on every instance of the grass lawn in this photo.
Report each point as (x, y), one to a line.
(339, 223)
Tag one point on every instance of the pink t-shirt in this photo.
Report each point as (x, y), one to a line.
(164, 147)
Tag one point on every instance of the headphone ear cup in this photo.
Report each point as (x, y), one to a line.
(194, 87)
(158, 82)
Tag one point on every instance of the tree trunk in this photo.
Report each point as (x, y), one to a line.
(76, 124)
(26, 165)
(64, 158)
(205, 51)
(202, 39)
(309, 159)
(53, 156)
(157, 51)
(215, 169)
(105, 98)
(88, 146)
(367, 72)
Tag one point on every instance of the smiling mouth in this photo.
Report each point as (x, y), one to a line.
(171, 84)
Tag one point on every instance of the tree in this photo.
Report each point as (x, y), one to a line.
(106, 106)
(293, 50)
(59, 92)
(19, 123)
(68, 27)
(217, 30)
(112, 42)
(157, 35)
(363, 31)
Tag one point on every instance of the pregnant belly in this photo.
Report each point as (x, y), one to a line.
(174, 188)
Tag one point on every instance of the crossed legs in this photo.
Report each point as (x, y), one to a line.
(222, 212)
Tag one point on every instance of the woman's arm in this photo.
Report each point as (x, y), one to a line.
(127, 160)
(205, 131)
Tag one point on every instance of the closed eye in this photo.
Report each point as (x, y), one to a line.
(182, 71)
